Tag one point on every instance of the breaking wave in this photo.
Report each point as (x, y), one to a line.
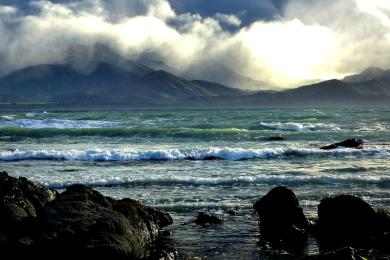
(211, 153)
(282, 179)
(297, 127)
(8, 122)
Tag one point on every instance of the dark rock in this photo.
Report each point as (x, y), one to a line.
(346, 253)
(204, 219)
(211, 158)
(78, 223)
(281, 217)
(20, 201)
(232, 212)
(276, 138)
(350, 143)
(82, 222)
(347, 220)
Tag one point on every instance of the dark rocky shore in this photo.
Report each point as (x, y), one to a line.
(37, 222)
(344, 222)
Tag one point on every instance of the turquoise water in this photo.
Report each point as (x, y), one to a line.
(186, 161)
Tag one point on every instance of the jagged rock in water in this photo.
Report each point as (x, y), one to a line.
(277, 138)
(350, 143)
(206, 219)
(347, 220)
(281, 216)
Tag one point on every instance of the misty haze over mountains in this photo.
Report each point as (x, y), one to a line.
(109, 79)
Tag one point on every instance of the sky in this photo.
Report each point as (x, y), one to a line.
(279, 43)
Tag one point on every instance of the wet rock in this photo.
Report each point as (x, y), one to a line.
(20, 201)
(276, 138)
(350, 143)
(232, 212)
(82, 222)
(206, 219)
(281, 217)
(347, 220)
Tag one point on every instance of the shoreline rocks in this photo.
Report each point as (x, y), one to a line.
(344, 221)
(80, 222)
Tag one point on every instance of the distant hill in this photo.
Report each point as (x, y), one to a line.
(368, 74)
(128, 83)
(48, 81)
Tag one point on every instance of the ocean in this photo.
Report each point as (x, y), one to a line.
(184, 161)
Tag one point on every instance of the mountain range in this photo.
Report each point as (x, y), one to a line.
(116, 81)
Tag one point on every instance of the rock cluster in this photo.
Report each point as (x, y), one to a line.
(80, 222)
(343, 221)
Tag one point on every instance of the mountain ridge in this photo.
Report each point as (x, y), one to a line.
(139, 85)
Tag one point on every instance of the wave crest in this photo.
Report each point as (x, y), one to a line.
(226, 153)
(298, 127)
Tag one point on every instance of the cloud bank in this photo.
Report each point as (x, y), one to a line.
(291, 44)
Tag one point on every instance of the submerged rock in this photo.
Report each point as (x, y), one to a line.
(281, 216)
(79, 222)
(277, 138)
(232, 212)
(350, 143)
(346, 220)
(206, 219)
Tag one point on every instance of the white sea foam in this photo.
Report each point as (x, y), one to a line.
(56, 123)
(277, 179)
(7, 117)
(232, 154)
(297, 127)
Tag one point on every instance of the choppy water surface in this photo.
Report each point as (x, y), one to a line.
(186, 161)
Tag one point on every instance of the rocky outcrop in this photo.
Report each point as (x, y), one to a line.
(344, 221)
(347, 220)
(79, 222)
(281, 216)
(206, 219)
(350, 143)
(21, 201)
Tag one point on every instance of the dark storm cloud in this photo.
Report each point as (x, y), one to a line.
(280, 42)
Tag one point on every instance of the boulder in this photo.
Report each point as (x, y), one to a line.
(82, 222)
(20, 202)
(350, 143)
(347, 220)
(206, 219)
(281, 216)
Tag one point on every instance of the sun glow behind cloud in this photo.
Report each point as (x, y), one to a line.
(312, 41)
(290, 50)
